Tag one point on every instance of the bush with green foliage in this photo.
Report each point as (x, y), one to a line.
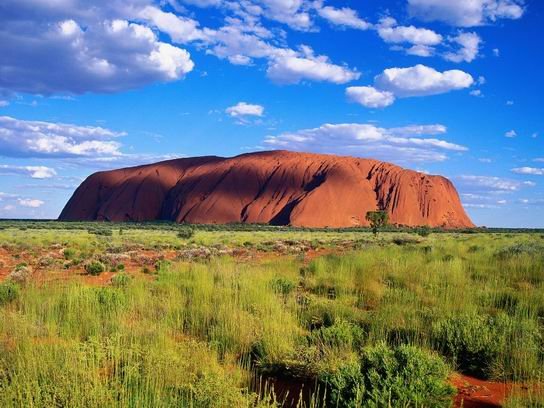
(423, 231)
(69, 254)
(186, 233)
(520, 249)
(404, 376)
(120, 280)
(343, 386)
(94, 268)
(377, 220)
(283, 286)
(9, 291)
(490, 346)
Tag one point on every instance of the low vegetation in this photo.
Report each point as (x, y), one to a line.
(343, 318)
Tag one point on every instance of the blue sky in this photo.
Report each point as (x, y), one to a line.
(450, 88)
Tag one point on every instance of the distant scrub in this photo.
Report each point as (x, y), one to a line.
(94, 268)
(520, 249)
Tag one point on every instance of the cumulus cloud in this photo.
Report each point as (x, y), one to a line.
(292, 69)
(245, 109)
(344, 17)
(30, 202)
(369, 96)
(180, 29)
(529, 170)
(469, 46)
(403, 144)
(421, 80)
(511, 133)
(57, 48)
(36, 172)
(466, 13)
(27, 138)
(390, 32)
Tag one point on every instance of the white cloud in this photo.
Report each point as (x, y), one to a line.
(421, 80)
(509, 103)
(529, 170)
(37, 172)
(245, 109)
(466, 13)
(370, 97)
(26, 138)
(477, 93)
(491, 183)
(535, 201)
(180, 29)
(396, 144)
(30, 202)
(390, 32)
(496, 52)
(345, 17)
(420, 50)
(469, 46)
(291, 12)
(511, 133)
(418, 80)
(292, 69)
(60, 49)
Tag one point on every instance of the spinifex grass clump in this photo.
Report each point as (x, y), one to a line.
(9, 291)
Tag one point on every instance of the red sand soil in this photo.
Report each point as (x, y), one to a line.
(278, 187)
(476, 393)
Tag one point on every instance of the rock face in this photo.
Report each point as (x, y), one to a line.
(277, 187)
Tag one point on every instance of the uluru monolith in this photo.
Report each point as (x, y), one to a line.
(275, 187)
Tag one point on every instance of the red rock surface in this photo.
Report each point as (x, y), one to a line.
(277, 187)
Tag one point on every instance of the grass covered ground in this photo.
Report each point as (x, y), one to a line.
(229, 318)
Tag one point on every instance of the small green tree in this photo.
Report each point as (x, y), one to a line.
(377, 220)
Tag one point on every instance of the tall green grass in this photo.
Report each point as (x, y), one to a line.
(211, 334)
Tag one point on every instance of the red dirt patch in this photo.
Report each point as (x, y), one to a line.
(476, 393)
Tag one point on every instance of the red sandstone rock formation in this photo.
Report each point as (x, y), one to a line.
(277, 187)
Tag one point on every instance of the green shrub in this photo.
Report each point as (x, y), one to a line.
(94, 268)
(341, 334)
(469, 340)
(501, 346)
(423, 231)
(404, 376)
(519, 249)
(343, 386)
(69, 253)
(120, 280)
(9, 291)
(186, 233)
(283, 286)
(162, 265)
